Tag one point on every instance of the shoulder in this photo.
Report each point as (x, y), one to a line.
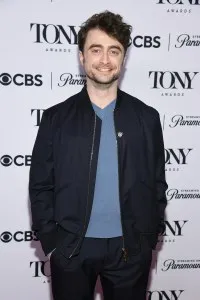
(55, 114)
(146, 110)
(62, 106)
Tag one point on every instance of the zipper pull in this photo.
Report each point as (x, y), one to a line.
(125, 254)
(120, 134)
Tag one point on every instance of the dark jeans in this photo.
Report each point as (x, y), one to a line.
(75, 278)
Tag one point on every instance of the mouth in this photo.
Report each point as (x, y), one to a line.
(104, 69)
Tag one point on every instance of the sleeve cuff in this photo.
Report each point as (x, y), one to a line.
(48, 241)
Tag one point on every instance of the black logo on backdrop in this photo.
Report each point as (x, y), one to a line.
(185, 40)
(60, 35)
(180, 120)
(192, 2)
(178, 156)
(182, 194)
(172, 81)
(164, 295)
(179, 6)
(146, 41)
(18, 160)
(18, 236)
(71, 79)
(21, 79)
(172, 264)
(173, 229)
(37, 115)
(41, 269)
(55, 34)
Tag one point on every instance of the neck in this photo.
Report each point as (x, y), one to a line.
(102, 94)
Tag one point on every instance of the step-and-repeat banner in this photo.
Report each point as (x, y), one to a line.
(39, 68)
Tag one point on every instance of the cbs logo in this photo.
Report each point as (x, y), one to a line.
(18, 236)
(19, 160)
(140, 41)
(21, 79)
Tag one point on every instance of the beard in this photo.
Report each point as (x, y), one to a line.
(102, 79)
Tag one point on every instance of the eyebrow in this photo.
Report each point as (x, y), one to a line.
(101, 46)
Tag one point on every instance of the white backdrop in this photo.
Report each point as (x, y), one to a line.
(39, 68)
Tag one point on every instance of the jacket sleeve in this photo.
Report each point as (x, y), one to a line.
(161, 185)
(41, 186)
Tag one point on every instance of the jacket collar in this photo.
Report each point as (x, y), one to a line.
(85, 101)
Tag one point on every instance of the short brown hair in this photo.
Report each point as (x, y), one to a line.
(110, 23)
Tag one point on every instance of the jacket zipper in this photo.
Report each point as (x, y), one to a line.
(124, 251)
(88, 188)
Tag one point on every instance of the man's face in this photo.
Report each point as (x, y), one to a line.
(102, 57)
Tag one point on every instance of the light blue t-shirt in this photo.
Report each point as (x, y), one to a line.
(105, 220)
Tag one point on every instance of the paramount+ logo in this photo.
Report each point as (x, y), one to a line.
(18, 236)
(185, 40)
(165, 295)
(183, 194)
(18, 160)
(180, 120)
(21, 79)
(180, 264)
(71, 79)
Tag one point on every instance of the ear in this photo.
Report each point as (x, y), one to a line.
(81, 57)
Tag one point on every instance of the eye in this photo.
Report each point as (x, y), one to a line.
(96, 50)
(114, 52)
(6, 160)
(6, 237)
(5, 79)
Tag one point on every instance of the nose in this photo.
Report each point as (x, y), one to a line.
(105, 57)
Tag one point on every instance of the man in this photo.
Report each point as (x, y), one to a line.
(97, 180)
